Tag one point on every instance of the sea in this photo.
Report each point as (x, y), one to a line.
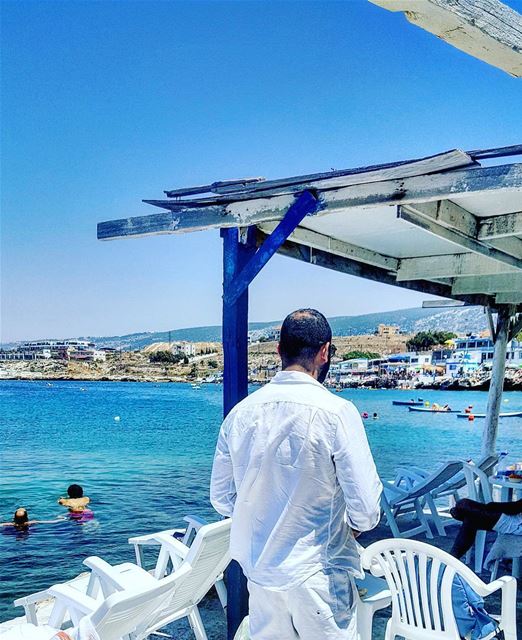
(143, 453)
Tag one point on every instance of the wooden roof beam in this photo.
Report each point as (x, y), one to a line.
(509, 224)
(509, 298)
(417, 216)
(506, 283)
(486, 29)
(452, 265)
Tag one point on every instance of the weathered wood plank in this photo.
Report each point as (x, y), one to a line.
(456, 237)
(507, 283)
(452, 216)
(442, 304)
(449, 266)
(486, 29)
(509, 298)
(509, 224)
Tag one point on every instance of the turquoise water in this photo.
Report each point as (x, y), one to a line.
(146, 471)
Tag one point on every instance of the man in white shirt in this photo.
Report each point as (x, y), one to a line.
(294, 470)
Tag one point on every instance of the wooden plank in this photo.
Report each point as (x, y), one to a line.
(488, 284)
(338, 247)
(456, 237)
(486, 29)
(449, 266)
(362, 175)
(351, 267)
(452, 216)
(509, 224)
(442, 304)
(439, 186)
(515, 297)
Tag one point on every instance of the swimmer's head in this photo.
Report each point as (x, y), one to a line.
(20, 518)
(75, 491)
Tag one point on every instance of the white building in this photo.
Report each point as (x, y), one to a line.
(184, 348)
(473, 352)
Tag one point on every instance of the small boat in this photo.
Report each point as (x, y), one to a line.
(408, 403)
(507, 414)
(430, 410)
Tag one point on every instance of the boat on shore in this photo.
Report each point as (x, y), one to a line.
(408, 403)
(431, 410)
(506, 414)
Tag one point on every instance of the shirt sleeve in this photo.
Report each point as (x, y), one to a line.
(355, 470)
(222, 485)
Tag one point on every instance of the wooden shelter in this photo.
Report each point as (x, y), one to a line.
(443, 225)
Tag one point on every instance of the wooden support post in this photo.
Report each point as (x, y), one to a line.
(489, 436)
(235, 382)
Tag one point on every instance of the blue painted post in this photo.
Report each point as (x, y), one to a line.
(235, 383)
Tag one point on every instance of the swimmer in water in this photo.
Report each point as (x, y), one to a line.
(76, 502)
(375, 416)
(21, 520)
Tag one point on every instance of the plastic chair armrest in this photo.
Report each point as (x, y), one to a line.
(152, 538)
(174, 546)
(73, 599)
(106, 574)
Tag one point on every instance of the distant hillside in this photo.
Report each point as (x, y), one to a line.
(458, 319)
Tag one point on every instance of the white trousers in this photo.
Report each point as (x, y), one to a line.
(321, 608)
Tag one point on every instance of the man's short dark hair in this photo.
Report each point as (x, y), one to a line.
(303, 333)
(75, 491)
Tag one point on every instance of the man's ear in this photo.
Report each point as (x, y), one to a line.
(323, 352)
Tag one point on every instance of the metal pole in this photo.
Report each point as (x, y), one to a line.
(235, 383)
(489, 436)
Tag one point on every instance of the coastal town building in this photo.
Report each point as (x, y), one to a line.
(388, 330)
(56, 350)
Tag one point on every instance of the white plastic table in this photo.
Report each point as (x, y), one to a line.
(507, 487)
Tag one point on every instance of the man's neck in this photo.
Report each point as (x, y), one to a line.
(301, 369)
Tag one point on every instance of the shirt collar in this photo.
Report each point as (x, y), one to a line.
(294, 377)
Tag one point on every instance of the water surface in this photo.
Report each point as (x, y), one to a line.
(146, 471)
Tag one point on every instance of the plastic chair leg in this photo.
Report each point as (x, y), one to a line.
(480, 544)
(196, 624)
(364, 620)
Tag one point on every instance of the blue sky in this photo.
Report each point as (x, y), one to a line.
(106, 103)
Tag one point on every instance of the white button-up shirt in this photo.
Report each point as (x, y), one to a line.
(294, 470)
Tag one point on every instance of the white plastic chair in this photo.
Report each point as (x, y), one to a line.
(396, 500)
(376, 596)
(199, 566)
(422, 608)
(121, 615)
(167, 561)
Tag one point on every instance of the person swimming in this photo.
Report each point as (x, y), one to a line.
(76, 502)
(21, 520)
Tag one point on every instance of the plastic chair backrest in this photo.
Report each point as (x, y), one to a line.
(420, 579)
(124, 612)
(208, 558)
(479, 488)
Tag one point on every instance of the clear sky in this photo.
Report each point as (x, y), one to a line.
(106, 103)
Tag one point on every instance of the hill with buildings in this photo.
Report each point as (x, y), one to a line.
(458, 320)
